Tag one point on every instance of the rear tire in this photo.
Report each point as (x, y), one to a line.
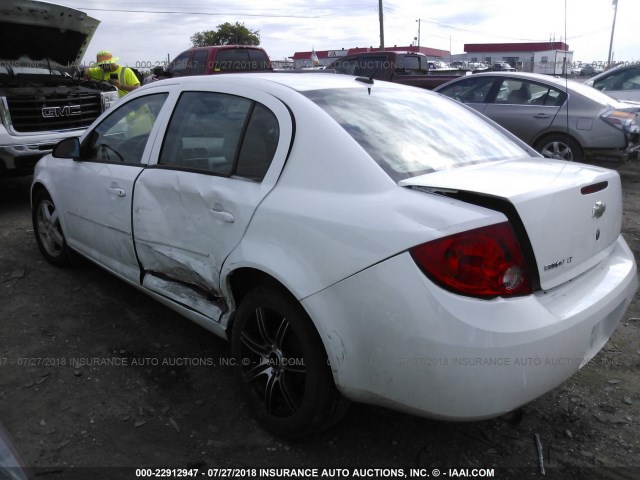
(48, 232)
(282, 365)
(560, 147)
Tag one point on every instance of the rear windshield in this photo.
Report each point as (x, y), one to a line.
(410, 132)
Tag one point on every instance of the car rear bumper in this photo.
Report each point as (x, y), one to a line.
(396, 339)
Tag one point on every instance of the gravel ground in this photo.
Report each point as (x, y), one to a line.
(154, 406)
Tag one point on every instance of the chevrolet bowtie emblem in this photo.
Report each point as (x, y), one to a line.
(598, 209)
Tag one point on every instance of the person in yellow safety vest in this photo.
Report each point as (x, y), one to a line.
(108, 70)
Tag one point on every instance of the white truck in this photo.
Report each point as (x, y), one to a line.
(43, 98)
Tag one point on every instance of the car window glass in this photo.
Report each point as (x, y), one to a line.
(471, 90)
(513, 91)
(347, 66)
(625, 80)
(232, 59)
(631, 80)
(122, 136)
(410, 132)
(259, 144)
(178, 67)
(198, 62)
(544, 95)
(204, 132)
(259, 60)
(368, 66)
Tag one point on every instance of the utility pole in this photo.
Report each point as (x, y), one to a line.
(613, 27)
(418, 20)
(381, 25)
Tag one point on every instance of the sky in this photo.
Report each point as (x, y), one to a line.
(145, 33)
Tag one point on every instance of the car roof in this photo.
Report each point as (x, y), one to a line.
(227, 47)
(299, 81)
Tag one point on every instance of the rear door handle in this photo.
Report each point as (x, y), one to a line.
(116, 191)
(222, 214)
(542, 115)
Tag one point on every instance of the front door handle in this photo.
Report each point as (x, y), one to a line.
(116, 191)
(223, 215)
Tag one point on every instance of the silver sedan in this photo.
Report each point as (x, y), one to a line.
(560, 118)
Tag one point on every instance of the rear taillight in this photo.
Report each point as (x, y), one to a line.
(625, 120)
(486, 262)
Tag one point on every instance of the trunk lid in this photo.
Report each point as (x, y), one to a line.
(571, 212)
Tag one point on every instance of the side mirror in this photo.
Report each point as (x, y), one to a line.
(67, 148)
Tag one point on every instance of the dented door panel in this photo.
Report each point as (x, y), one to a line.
(187, 222)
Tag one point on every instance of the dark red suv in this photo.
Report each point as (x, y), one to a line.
(219, 59)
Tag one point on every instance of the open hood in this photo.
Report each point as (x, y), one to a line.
(38, 31)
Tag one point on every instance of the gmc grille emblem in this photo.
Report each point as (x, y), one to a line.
(66, 111)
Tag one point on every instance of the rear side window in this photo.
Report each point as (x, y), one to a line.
(241, 59)
(179, 66)
(220, 134)
(199, 62)
(260, 59)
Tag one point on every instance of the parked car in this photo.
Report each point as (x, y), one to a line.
(218, 59)
(422, 258)
(590, 69)
(502, 67)
(560, 118)
(622, 83)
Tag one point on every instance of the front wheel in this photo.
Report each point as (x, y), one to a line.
(282, 365)
(560, 147)
(48, 232)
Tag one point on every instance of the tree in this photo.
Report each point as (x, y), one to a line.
(226, 34)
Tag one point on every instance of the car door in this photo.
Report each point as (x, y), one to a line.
(472, 91)
(99, 185)
(220, 156)
(523, 107)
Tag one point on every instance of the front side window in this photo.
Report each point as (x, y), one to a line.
(122, 136)
(411, 132)
(220, 134)
(469, 90)
(178, 67)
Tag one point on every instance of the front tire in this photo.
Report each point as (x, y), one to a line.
(282, 365)
(48, 231)
(560, 147)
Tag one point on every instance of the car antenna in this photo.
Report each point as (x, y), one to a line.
(367, 80)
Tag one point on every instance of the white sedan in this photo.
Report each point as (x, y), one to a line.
(354, 240)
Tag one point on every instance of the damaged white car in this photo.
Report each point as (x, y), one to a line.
(355, 240)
